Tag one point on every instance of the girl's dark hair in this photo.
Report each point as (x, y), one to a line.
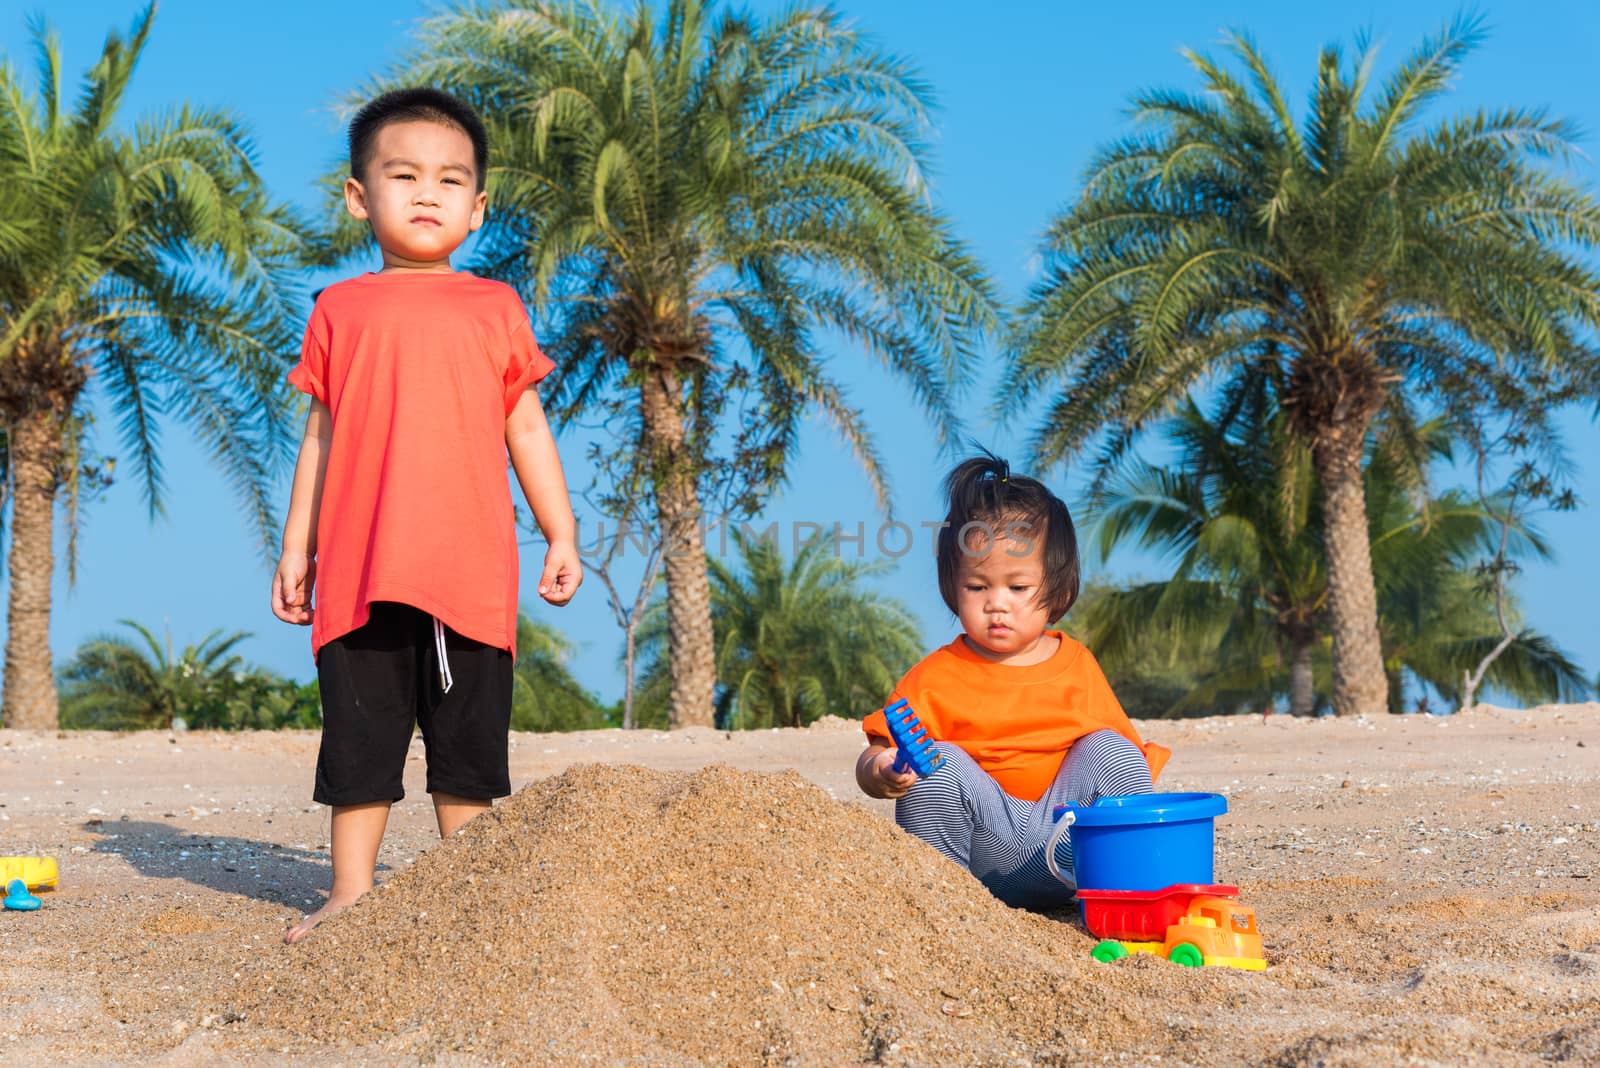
(415, 105)
(988, 502)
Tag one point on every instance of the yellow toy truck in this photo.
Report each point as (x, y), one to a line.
(1188, 924)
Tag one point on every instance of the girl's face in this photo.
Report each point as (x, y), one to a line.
(997, 600)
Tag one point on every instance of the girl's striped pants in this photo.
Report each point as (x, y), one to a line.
(963, 813)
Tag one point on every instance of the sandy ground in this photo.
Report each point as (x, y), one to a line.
(1429, 890)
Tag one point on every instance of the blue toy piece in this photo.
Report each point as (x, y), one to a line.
(916, 748)
(18, 899)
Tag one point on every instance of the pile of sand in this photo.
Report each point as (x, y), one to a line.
(615, 913)
(1426, 890)
(622, 915)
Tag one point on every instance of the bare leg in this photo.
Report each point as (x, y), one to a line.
(357, 833)
(452, 811)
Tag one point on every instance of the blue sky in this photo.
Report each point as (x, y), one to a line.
(1027, 90)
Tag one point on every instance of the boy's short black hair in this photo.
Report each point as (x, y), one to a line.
(987, 503)
(416, 105)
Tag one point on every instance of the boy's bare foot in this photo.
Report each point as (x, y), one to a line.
(330, 908)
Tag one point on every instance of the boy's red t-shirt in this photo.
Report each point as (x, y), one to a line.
(420, 372)
(1016, 722)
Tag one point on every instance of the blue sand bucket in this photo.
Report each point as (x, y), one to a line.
(1139, 841)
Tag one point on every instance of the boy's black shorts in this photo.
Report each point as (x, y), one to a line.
(382, 679)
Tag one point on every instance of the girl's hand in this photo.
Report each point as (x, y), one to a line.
(292, 586)
(562, 573)
(879, 779)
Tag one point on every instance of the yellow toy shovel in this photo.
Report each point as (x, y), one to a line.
(37, 873)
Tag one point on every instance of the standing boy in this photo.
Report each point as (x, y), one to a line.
(421, 381)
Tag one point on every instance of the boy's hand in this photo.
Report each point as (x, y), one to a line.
(563, 573)
(291, 588)
(878, 778)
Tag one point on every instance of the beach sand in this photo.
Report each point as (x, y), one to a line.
(1428, 889)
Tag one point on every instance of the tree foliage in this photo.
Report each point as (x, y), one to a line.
(149, 252)
(1359, 261)
(1247, 600)
(544, 695)
(703, 202)
(138, 683)
(144, 251)
(797, 639)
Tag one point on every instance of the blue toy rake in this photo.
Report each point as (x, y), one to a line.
(916, 748)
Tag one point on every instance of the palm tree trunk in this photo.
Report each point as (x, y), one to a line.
(1302, 690)
(1359, 683)
(1397, 693)
(30, 682)
(689, 641)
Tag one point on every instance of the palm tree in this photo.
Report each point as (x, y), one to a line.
(799, 640)
(119, 684)
(115, 684)
(1458, 626)
(544, 695)
(706, 203)
(149, 255)
(1437, 618)
(1236, 508)
(1361, 264)
(1250, 591)
(1162, 664)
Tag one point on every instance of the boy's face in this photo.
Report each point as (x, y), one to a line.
(998, 585)
(419, 194)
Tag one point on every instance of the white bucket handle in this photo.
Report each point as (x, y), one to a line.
(1063, 827)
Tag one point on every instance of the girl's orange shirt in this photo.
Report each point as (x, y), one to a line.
(419, 372)
(1016, 722)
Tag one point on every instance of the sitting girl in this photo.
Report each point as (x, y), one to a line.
(1021, 714)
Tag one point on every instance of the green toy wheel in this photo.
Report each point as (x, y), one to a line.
(1109, 950)
(1187, 954)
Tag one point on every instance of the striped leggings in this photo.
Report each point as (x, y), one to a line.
(963, 813)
